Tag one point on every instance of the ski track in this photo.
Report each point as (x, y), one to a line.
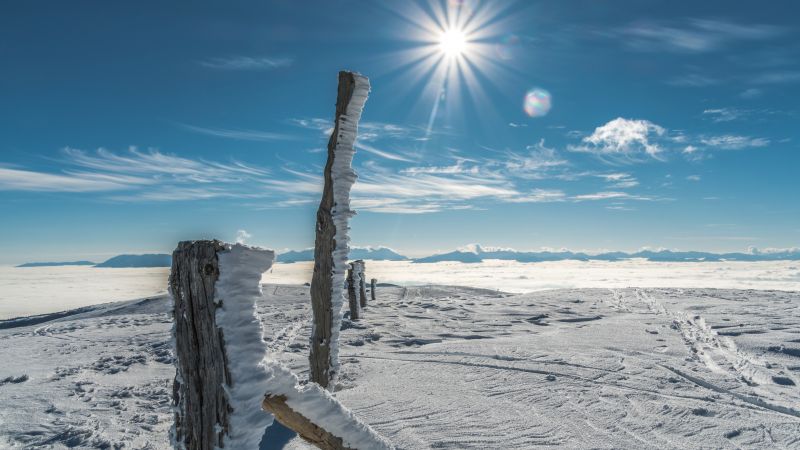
(448, 367)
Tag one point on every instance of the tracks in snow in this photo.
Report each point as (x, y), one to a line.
(717, 353)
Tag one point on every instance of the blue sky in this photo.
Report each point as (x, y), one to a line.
(126, 127)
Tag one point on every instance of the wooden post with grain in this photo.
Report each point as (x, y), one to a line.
(327, 279)
(198, 395)
(372, 282)
(362, 283)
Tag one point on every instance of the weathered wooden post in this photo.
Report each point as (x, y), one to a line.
(355, 307)
(218, 345)
(372, 283)
(331, 244)
(224, 380)
(362, 282)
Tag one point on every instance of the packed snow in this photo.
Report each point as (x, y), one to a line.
(448, 367)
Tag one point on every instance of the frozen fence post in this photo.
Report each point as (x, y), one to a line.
(220, 379)
(355, 310)
(362, 282)
(372, 283)
(331, 244)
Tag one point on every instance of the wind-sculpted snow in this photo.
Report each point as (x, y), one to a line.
(449, 367)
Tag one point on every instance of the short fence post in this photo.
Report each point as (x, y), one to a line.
(373, 282)
(355, 310)
(210, 313)
(362, 283)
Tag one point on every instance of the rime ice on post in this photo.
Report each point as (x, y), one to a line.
(331, 246)
(360, 281)
(220, 378)
(352, 297)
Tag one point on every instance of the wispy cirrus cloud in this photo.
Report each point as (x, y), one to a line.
(238, 134)
(734, 142)
(693, 35)
(137, 175)
(724, 114)
(246, 63)
(29, 180)
(377, 138)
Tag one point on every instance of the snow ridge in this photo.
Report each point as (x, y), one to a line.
(342, 178)
(238, 287)
(320, 407)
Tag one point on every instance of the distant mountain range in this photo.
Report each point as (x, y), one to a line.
(55, 264)
(474, 254)
(373, 253)
(120, 261)
(152, 260)
(478, 254)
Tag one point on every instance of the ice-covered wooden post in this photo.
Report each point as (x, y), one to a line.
(372, 284)
(352, 298)
(220, 380)
(359, 268)
(331, 245)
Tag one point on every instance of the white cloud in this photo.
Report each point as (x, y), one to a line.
(734, 142)
(246, 63)
(751, 93)
(538, 160)
(242, 236)
(610, 195)
(693, 178)
(693, 80)
(623, 139)
(724, 114)
(136, 175)
(694, 35)
(241, 135)
(27, 180)
(620, 180)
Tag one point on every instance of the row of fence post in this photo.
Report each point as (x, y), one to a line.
(357, 288)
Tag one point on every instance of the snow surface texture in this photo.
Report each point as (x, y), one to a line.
(237, 289)
(343, 176)
(319, 406)
(448, 368)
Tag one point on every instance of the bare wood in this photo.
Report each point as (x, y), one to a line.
(199, 400)
(321, 281)
(355, 310)
(303, 427)
(373, 282)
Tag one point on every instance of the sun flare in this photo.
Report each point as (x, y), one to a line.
(453, 42)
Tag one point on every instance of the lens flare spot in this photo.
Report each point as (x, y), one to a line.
(537, 102)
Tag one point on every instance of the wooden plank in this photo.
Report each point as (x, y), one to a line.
(302, 426)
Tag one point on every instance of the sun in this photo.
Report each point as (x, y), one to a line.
(455, 47)
(453, 42)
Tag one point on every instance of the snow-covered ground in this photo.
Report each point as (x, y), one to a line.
(28, 291)
(448, 367)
